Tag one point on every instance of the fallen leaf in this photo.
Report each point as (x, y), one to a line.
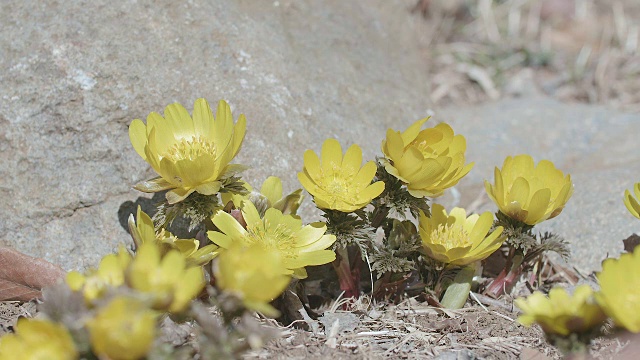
(22, 277)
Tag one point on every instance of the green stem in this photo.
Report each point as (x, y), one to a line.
(457, 293)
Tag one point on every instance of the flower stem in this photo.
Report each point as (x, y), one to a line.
(348, 283)
(505, 281)
(457, 293)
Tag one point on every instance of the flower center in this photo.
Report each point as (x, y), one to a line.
(338, 187)
(190, 149)
(272, 237)
(451, 236)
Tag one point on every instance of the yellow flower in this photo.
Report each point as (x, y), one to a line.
(632, 202)
(527, 193)
(110, 273)
(189, 154)
(457, 239)
(252, 274)
(144, 231)
(298, 245)
(428, 161)
(167, 279)
(36, 340)
(123, 330)
(560, 313)
(619, 293)
(270, 195)
(337, 182)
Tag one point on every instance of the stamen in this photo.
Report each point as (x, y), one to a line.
(450, 236)
(190, 149)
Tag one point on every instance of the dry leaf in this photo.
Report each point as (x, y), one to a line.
(22, 277)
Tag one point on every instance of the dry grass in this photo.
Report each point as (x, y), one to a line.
(412, 330)
(574, 50)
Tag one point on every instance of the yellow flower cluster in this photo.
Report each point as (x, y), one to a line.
(429, 161)
(298, 245)
(337, 182)
(167, 280)
(561, 313)
(189, 153)
(528, 193)
(457, 239)
(143, 231)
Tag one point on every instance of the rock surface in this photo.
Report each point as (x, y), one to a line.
(72, 77)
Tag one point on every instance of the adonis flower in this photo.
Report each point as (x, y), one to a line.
(270, 195)
(528, 193)
(110, 274)
(298, 245)
(122, 330)
(189, 154)
(620, 290)
(427, 161)
(253, 275)
(561, 313)
(457, 239)
(143, 231)
(166, 279)
(35, 339)
(337, 182)
(632, 202)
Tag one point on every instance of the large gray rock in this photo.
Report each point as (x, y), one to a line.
(73, 76)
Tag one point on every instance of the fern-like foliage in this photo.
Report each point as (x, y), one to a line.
(397, 198)
(349, 229)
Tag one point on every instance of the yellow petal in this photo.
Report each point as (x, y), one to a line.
(331, 156)
(202, 118)
(178, 121)
(519, 192)
(352, 160)
(250, 213)
(372, 191)
(138, 136)
(538, 205)
(394, 145)
(481, 227)
(412, 131)
(209, 188)
(272, 189)
(365, 175)
(154, 185)
(312, 165)
(228, 225)
(320, 257)
(178, 194)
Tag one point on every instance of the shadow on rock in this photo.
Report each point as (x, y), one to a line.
(149, 206)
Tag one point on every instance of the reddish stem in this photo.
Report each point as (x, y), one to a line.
(505, 281)
(348, 276)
